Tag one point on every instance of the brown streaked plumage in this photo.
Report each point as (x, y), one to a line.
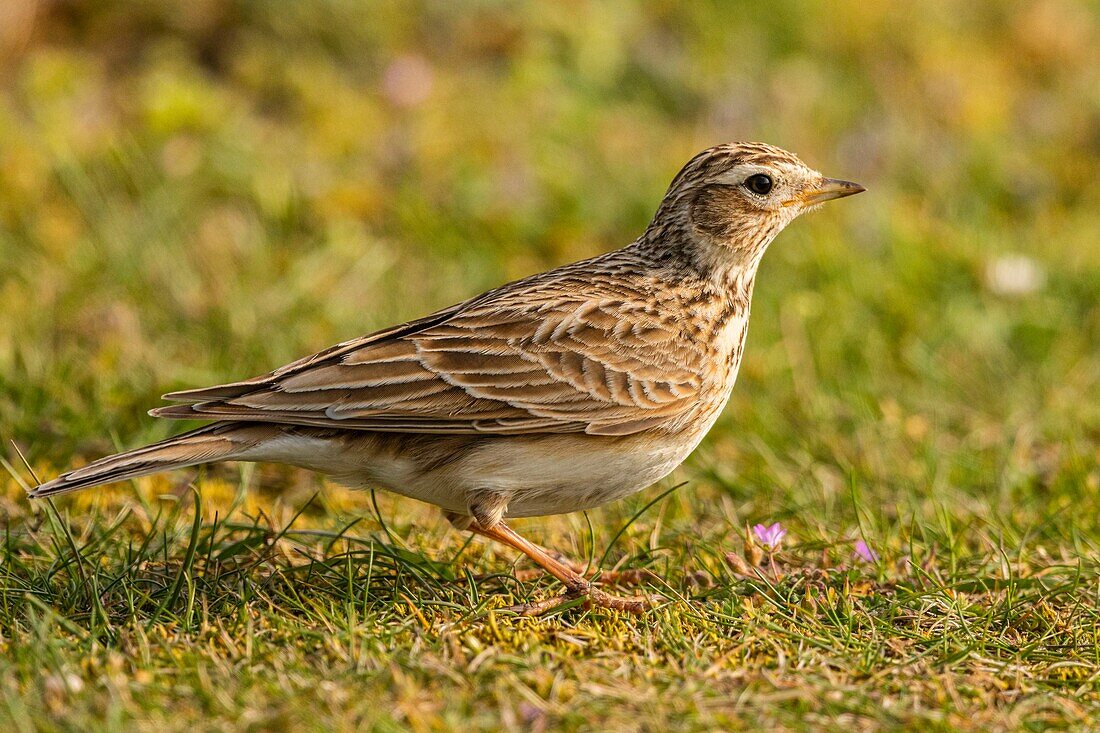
(551, 394)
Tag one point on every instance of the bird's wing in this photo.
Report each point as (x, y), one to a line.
(540, 360)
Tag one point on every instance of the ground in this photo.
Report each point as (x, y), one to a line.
(199, 194)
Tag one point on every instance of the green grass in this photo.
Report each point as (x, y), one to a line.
(196, 194)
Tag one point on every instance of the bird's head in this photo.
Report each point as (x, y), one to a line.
(731, 200)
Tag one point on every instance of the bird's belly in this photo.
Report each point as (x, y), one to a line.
(542, 474)
(574, 473)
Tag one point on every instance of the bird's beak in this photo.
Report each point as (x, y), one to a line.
(826, 190)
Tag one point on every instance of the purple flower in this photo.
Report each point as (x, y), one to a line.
(770, 537)
(865, 553)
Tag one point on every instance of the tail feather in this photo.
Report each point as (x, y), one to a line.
(217, 442)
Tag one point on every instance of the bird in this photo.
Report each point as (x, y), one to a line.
(555, 393)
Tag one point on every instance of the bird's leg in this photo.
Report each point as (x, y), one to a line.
(488, 513)
(576, 586)
(630, 576)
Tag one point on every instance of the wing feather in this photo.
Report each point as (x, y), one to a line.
(538, 358)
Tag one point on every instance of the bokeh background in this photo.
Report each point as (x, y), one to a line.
(200, 191)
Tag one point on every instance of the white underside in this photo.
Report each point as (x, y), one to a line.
(546, 474)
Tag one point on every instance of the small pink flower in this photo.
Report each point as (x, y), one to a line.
(408, 81)
(771, 536)
(865, 553)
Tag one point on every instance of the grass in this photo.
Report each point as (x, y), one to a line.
(195, 194)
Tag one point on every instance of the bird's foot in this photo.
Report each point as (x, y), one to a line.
(586, 596)
(578, 587)
(633, 604)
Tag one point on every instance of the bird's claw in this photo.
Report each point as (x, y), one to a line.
(588, 596)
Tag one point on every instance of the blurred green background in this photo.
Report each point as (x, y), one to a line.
(197, 192)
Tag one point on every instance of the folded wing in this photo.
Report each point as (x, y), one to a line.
(540, 362)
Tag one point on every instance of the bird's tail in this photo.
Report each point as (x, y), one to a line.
(218, 442)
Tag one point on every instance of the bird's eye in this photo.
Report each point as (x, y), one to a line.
(759, 184)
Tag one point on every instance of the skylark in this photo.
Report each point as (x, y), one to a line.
(555, 393)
